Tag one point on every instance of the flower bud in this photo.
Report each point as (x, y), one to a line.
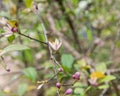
(8, 70)
(77, 75)
(73, 76)
(14, 29)
(60, 69)
(68, 91)
(58, 85)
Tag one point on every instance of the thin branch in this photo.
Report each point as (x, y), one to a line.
(32, 38)
(49, 48)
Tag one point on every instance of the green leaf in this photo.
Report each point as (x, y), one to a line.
(2, 31)
(22, 89)
(67, 60)
(89, 35)
(105, 86)
(31, 73)
(2, 93)
(101, 67)
(75, 2)
(13, 47)
(107, 78)
(118, 44)
(78, 84)
(41, 36)
(11, 38)
(79, 91)
(51, 91)
(28, 3)
(28, 56)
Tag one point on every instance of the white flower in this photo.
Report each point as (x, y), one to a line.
(55, 45)
(3, 21)
(40, 86)
(8, 31)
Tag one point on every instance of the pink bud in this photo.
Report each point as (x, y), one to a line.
(60, 69)
(73, 76)
(68, 91)
(14, 29)
(58, 85)
(76, 76)
(8, 70)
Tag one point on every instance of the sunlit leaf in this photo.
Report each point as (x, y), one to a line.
(107, 78)
(101, 67)
(28, 3)
(105, 86)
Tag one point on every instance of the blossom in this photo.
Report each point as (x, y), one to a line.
(3, 21)
(97, 75)
(94, 78)
(93, 81)
(8, 31)
(55, 45)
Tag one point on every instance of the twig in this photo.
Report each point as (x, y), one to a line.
(49, 48)
(32, 38)
(114, 70)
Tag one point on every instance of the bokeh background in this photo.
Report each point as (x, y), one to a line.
(90, 34)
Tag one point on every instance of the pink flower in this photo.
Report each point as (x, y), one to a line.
(68, 91)
(93, 81)
(55, 45)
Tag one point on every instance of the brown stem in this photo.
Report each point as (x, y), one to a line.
(33, 38)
